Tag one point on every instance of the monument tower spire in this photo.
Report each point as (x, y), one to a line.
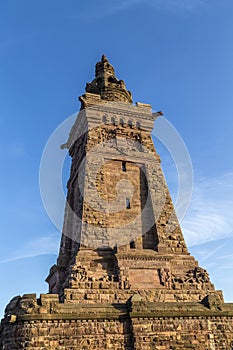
(119, 211)
(107, 85)
(124, 278)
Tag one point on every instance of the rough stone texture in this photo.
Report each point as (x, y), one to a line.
(47, 323)
(107, 85)
(124, 278)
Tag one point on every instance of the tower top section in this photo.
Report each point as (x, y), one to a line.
(107, 85)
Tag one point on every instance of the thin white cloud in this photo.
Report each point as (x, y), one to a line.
(216, 257)
(210, 216)
(105, 11)
(183, 5)
(39, 246)
(209, 254)
(118, 6)
(227, 256)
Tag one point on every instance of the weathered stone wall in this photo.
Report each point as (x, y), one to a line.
(122, 333)
(68, 335)
(199, 333)
(46, 323)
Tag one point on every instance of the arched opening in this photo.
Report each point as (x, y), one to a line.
(130, 123)
(121, 122)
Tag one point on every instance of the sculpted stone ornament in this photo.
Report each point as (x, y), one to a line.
(109, 137)
(80, 274)
(165, 277)
(197, 275)
(213, 301)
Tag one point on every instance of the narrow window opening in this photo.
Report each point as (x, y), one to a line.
(127, 203)
(123, 165)
(132, 244)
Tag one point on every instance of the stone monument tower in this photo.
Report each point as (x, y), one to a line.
(124, 278)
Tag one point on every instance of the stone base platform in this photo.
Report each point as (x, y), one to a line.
(46, 323)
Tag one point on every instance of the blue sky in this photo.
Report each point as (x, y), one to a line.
(174, 54)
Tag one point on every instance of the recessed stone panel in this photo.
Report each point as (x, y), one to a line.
(144, 278)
